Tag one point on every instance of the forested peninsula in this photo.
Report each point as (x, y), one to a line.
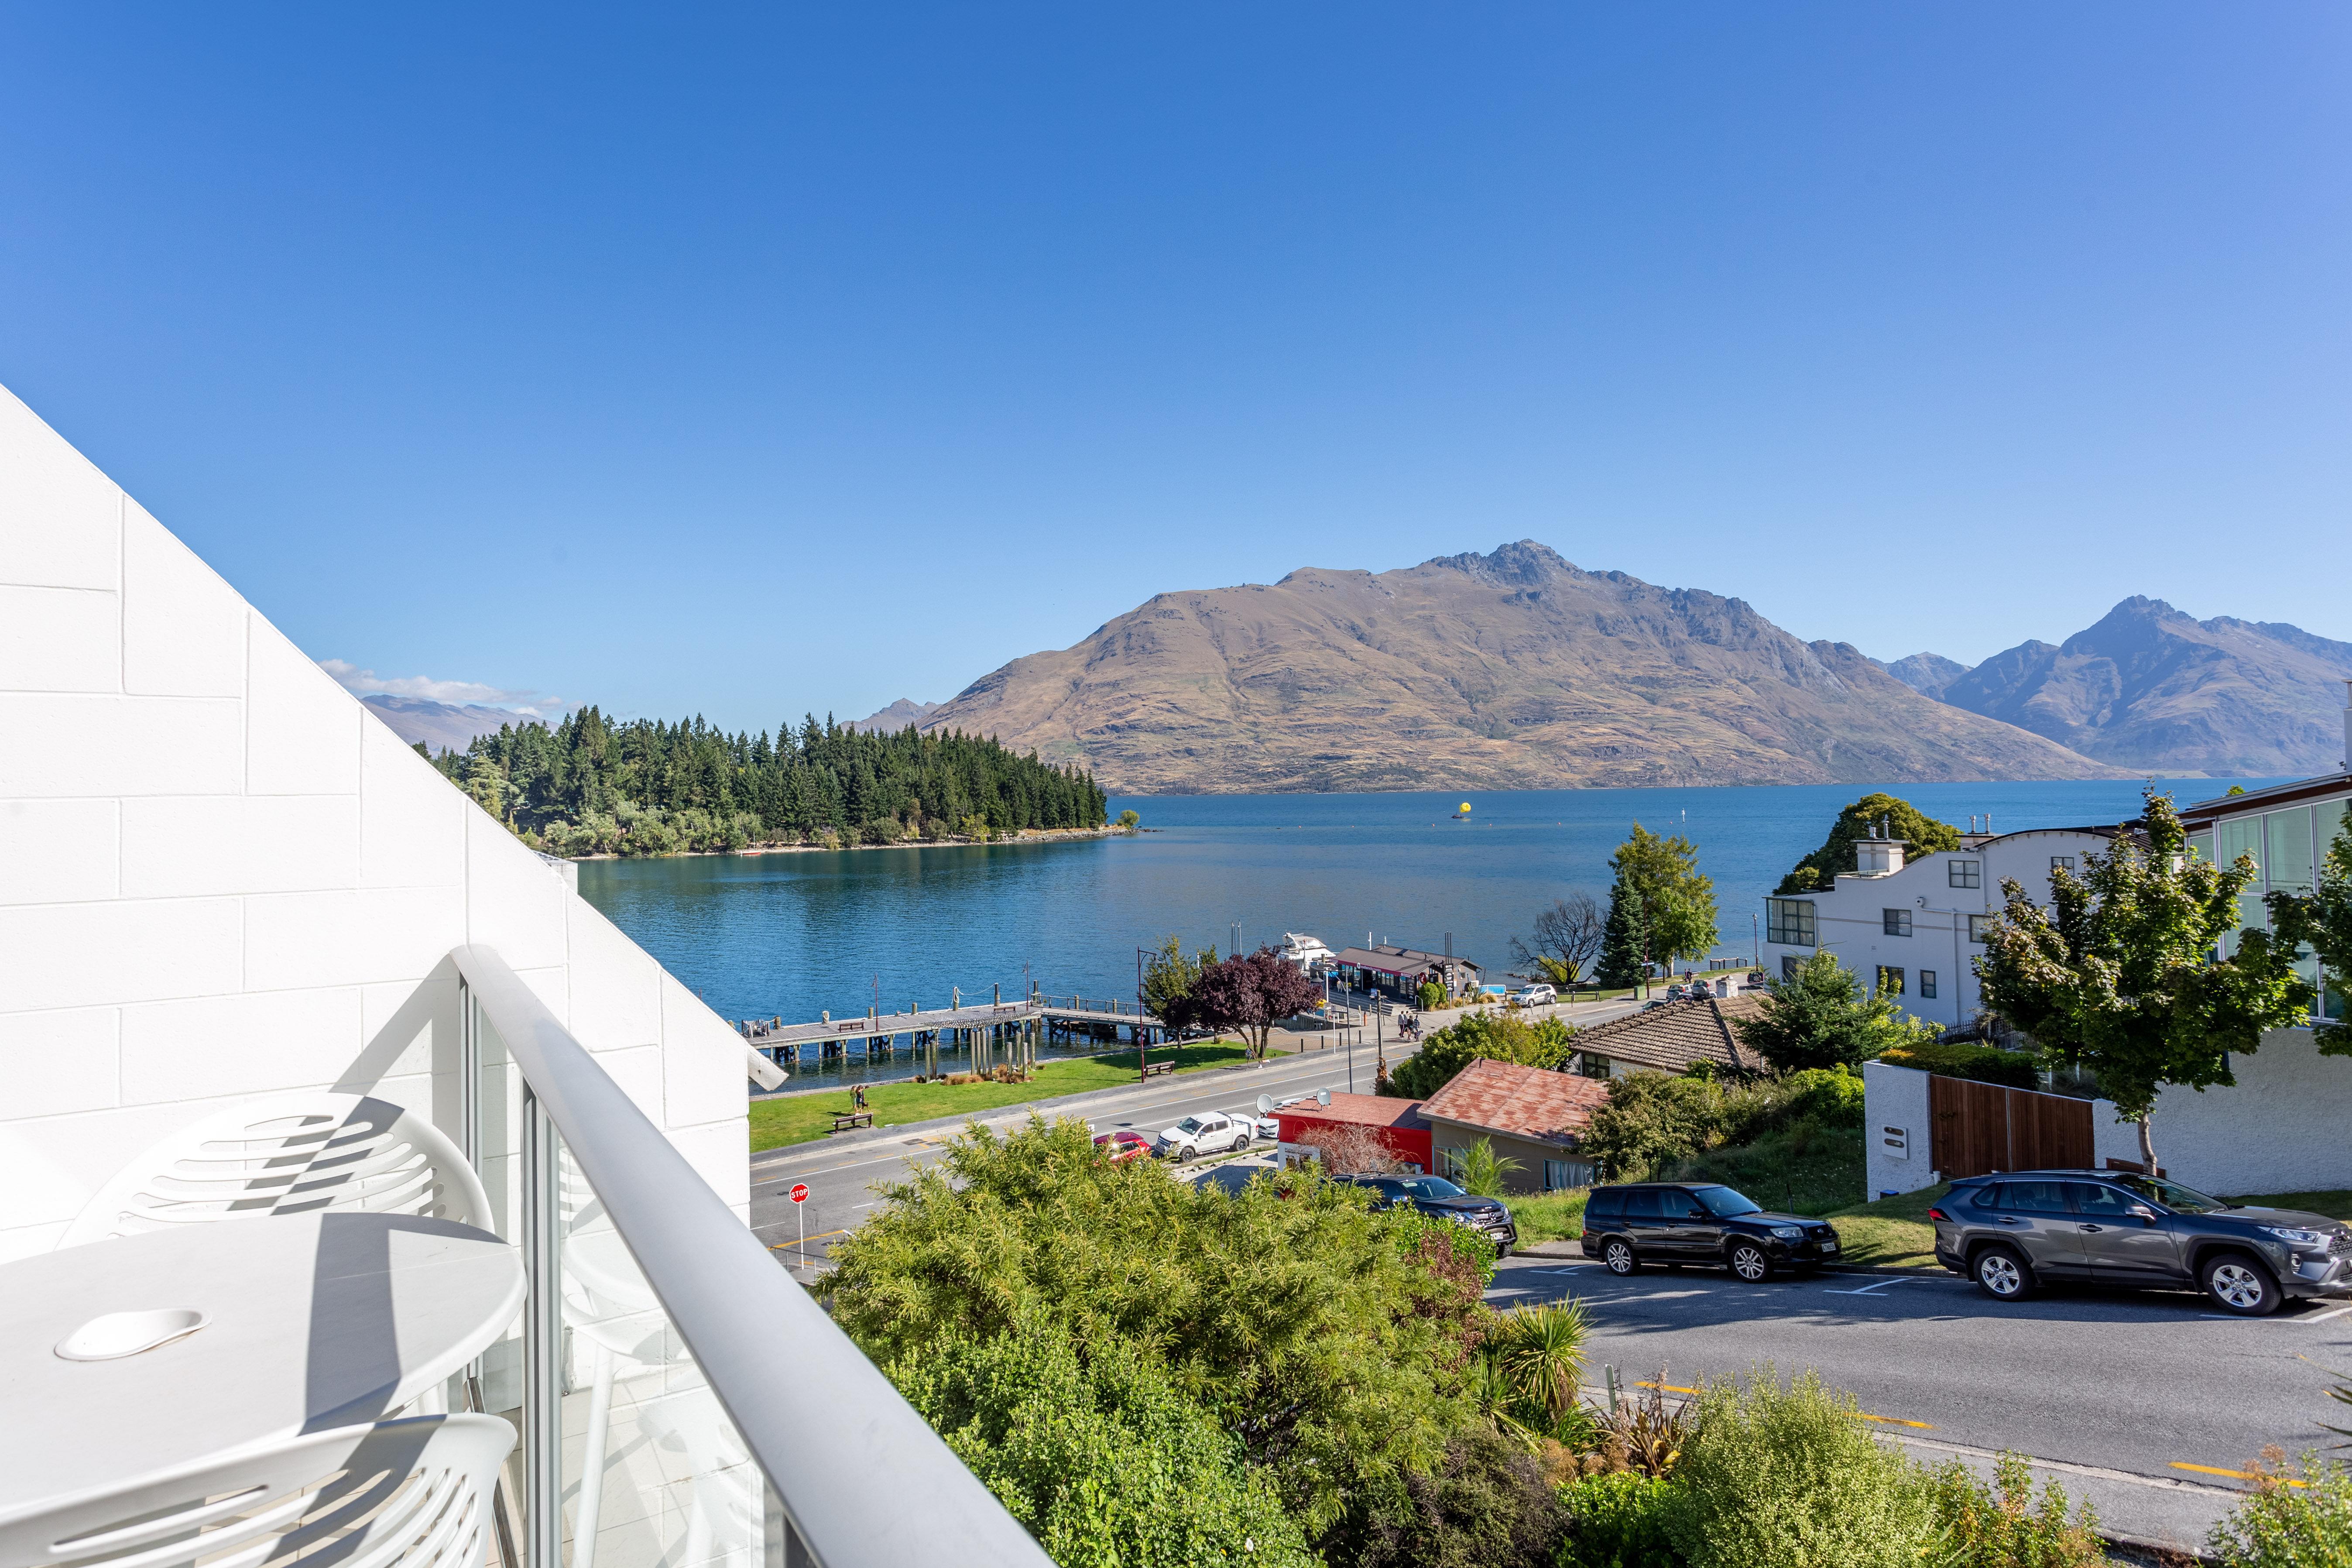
(592, 786)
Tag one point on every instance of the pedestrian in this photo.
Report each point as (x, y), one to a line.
(857, 1097)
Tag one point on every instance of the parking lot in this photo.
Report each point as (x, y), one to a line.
(2142, 1402)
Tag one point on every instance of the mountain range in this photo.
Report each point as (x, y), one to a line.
(1510, 670)
(2151, 688)
(443, 726)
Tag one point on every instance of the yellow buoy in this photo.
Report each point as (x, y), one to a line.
(1466, 805)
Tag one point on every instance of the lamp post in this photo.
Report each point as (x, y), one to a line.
(1140, 1075)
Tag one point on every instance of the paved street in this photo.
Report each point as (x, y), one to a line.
(2143, 1396)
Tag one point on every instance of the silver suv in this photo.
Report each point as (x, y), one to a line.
(2016, 1231)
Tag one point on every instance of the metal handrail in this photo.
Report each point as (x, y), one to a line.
(843, 1449)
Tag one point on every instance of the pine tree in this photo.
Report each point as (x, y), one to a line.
(1624, 940)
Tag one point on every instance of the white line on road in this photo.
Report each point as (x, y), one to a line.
(1873, 1289)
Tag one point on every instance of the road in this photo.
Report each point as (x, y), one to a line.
(2141, 1399)
(841, 1178)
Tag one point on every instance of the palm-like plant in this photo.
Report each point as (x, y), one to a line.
(1532, 1367)
(1481, 1169)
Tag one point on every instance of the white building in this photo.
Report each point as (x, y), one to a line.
(1914, 929)
(223, 881)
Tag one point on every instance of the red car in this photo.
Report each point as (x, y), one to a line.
(1123, 1145)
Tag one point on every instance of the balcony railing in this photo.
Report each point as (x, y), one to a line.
(682, 1400)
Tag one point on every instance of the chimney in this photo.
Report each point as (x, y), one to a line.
(1878, 857)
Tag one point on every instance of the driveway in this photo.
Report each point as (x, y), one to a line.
(2140, 1402)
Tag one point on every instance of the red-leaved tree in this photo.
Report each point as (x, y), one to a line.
(1247, 993)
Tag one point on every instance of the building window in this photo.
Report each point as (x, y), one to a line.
(2062, 863)
(1559, 1176)
(1890, 981)
(1927, 985)
(1897, 922)
(1790, 962)
(1978, 926)
(1592, 1063)
(1789, 922)
(1965, 873)
(1449, 1164)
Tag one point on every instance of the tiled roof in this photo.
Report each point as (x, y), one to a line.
(1524, 1102)
(1671, 1038)
(1359, 1110)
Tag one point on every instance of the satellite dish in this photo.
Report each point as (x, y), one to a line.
(1265, 1105)
(1322, 1097)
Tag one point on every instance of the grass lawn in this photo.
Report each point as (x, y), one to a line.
(1549, 1217)
(1892, 1233)
(798, 1118)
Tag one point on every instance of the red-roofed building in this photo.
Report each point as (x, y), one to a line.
(1395, 1127)
(1532, 1115)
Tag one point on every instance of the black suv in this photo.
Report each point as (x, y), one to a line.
(1704, 1223)
(2014, 1232)
(1437, 1196)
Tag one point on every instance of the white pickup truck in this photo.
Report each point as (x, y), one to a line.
(1211, 1133)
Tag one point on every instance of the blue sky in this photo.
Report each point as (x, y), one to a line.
(762, 360)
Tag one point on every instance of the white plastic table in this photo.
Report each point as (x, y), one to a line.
(314, 1321)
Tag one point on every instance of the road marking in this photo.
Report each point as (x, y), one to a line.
(2240, 1475)
(1873, 1289)
(801, 1245)
(2323, 1317)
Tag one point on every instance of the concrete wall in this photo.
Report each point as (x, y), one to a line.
(222, 878)
(2281, 1129)
(1528, 1178)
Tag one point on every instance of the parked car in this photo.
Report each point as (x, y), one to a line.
(1708, 1224)
(1436, 1197)
(1536, 996)
(1265, 1129)
(1211, 1133)
(1123, 1145)
(2020, 1230)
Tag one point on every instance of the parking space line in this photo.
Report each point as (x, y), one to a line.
(1874, 1287)
(2323, 1317)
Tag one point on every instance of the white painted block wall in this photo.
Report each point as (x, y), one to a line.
(221, 877)
(2282, 1128)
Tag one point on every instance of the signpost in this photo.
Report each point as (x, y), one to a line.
(800, 1201)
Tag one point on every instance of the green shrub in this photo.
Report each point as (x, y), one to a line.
(1652, 1121)
(1485, 1505)
(2283, 1525)
(1618, 1521)
(1481, 1036)
(2001, 1526)
(1098, 1457)
(1984, 1064)
(1550, 1216)
(1786, 1478)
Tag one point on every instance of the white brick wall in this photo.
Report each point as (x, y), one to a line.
(221, 878)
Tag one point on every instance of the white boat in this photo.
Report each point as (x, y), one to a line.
(1307, 951)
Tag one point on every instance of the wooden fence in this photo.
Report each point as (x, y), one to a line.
(1975, 1128)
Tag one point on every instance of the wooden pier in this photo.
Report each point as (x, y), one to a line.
(992, 1033)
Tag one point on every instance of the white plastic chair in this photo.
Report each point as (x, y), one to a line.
(399, 1494)
(292, 1153)
(610, 1307)
(725, 1500)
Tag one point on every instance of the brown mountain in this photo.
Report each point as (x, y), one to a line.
(1513, 670)
(897, 716)
(2151, 688)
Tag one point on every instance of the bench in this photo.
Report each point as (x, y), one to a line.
(1154, 1070)
(844, 1120)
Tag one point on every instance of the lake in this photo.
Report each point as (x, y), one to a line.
(762, 935)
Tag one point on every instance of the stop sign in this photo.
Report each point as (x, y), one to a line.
(799, 1191)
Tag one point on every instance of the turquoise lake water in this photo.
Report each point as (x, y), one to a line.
(757, 936)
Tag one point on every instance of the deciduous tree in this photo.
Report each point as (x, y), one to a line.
(1481, 1036)
(2123, 973)
(1569, 932)
(1678, 902)
(1250, 993)
(2322, 922)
